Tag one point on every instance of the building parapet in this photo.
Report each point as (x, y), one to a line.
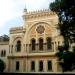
(17, 30)
(4, 42)
(38, 13)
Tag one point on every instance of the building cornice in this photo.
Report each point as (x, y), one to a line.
(39, 13)
(29, 56)
(17, 30)
(4, 43)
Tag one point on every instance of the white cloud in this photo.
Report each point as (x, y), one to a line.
(33, 5)
(5, 11)
(10, 9)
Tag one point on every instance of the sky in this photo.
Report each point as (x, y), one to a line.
(11, 12)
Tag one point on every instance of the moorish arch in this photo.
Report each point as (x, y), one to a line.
(16, 39)
(40, 43)
(33, 43)
(17, 44)
(32, 30)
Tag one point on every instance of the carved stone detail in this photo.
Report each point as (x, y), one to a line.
(41, 13)
(40, 29)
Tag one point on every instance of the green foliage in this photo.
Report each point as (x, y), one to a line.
(2, 65)
(66, 58)
(4, 38)
(66, 12)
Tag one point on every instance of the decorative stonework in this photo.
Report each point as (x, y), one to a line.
(40, 29)
(17, 30)
(39, 13)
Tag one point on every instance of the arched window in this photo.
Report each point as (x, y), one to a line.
(48, 43)
(40, 44)
(49, 65)
(32, 66)
(17, 65)
(33, 44)
(2, 53)
(41, 66)
(18, 46)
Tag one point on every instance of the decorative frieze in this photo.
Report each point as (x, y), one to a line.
(36, 14)
(17, 30)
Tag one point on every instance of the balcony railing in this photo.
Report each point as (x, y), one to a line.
(37, 49)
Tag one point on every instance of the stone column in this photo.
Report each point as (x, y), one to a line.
(24, 65)
(12, 65)
(54, 65)
(26, 48)
(45, 49)
(36, 47)
(30, 48)
(36, 66)
(45, 65)
(23, 47)
(54, 47)
(9, 65)
(9, 49)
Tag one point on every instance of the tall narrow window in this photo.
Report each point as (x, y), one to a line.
(18, 46)
(17, 65)
(40, 44)
(58, 43)
(49, 65)
(32, 66)
(2, 53)
(41, 66)
(48, 43)
(33, 44)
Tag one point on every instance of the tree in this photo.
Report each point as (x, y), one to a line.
(2, 65)
(4, 38)
(66, 12)
(65, 58)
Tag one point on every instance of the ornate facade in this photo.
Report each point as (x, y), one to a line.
(32, 47)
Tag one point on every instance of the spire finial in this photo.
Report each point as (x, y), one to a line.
(25, 9)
